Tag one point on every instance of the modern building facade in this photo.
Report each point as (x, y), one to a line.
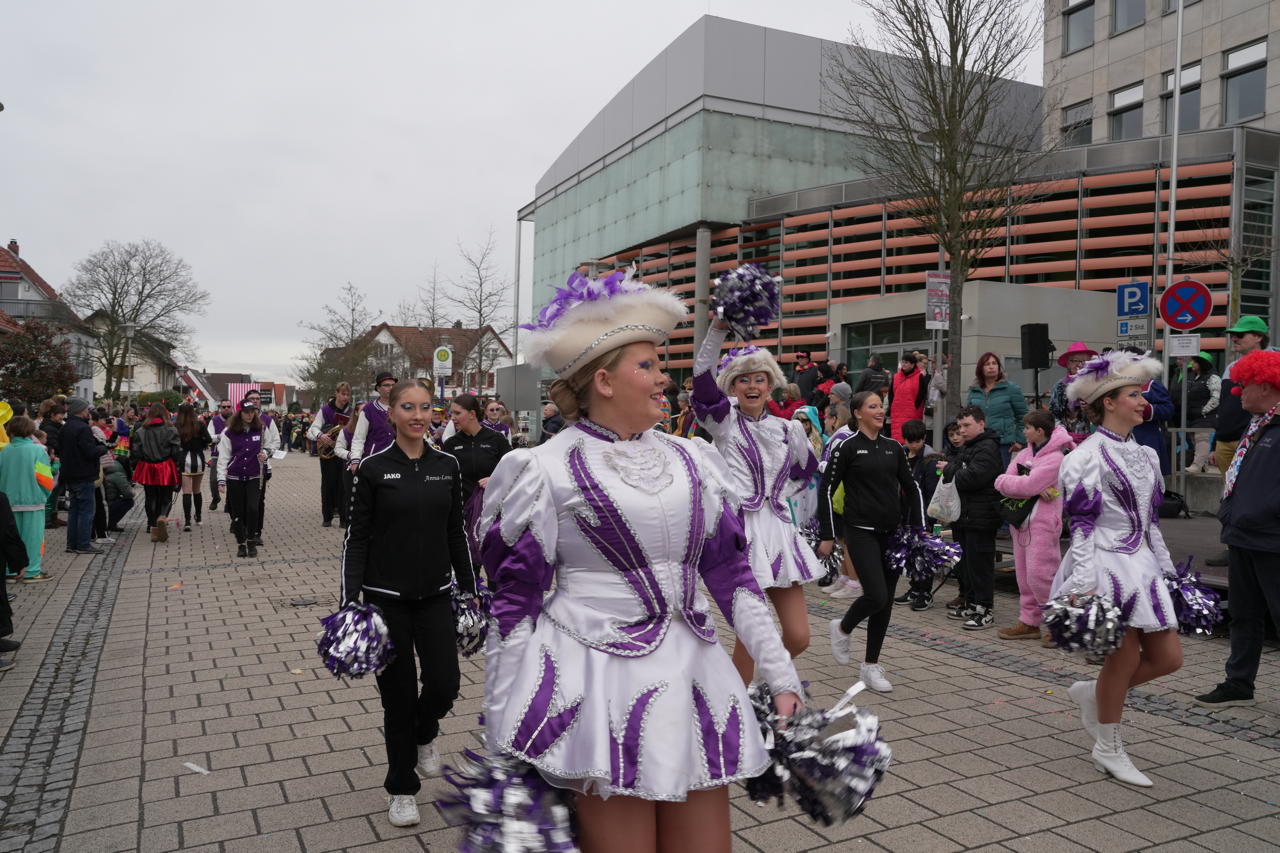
(1110, 65)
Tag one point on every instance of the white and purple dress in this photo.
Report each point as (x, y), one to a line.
(1113, 489)
(769, 459)
(615, 682)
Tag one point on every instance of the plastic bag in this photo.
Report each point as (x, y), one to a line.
(944, 506)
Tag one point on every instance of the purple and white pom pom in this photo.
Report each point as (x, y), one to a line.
(920, 555)
(471, 617)
(746, 299)
(830, 778)
(1196, 605)
(1093, 624)
(831, 563)
(507, 807)
(355, 641)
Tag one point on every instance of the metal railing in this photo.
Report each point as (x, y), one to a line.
(39, 309)
(1182, 449)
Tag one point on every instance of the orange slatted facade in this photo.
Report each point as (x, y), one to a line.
(1092, 232)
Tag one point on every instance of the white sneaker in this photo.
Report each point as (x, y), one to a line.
(104, 540)
(1083, 692)
(1193, 468)
(872, 675)
(839, 643)
(404, 810)
(846, 588)
(428, 760)
(1109, 757)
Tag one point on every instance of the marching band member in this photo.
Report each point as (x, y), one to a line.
(495, 418)
(336, 412)
(373, 431)
(242, 460)
(217, 424)
(270, 444)
(407, 503)
(615, 686)
(769, 460)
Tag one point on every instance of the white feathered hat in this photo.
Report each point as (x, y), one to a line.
(1103, 374)
(749, 359)
(588, 317)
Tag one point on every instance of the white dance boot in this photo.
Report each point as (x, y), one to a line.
(1109, 757)
(1084, 694)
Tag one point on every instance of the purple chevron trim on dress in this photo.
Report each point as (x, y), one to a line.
(539, 730)
(1117, 591)
(1083, 509)
(1122, 491)
(806, 469)
(780, 481)
(708, 400)
(1156, 604)
(776, 566)
(519, 574)
(755, 465)
(698, 622)
(798, 549)
(624, 758)
(611, 536)
(720, 747)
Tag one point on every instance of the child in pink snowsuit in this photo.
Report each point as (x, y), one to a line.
(1036, 553)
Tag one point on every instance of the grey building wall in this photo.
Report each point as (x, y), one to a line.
(1145, 53)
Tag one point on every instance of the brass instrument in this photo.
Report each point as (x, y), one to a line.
(326, 451)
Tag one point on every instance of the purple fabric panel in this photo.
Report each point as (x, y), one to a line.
(797, 554)
(1122, 491)
(1083, 509)
(1156, 604)
(645, 635)
(730, 741)
(776, 566)
(1117, 592)
(519, 575)
(806, 469)
(755, 464)
(613, 538)
(379, 434)
(595, 431)
(708, 400)
(724, 567)
(538, 731)
(710, 735)
(624, 759)
(701, 625)
(775, 492)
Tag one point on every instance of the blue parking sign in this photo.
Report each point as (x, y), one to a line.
(1133, 299)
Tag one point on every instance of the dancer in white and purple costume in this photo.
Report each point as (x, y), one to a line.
(769, 460)
(614, 685)
(1113, 489)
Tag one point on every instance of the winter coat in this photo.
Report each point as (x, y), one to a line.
(80, 452)
(907, 400)
(13, 553)
(1045, 520)
(1250, 515)
(785, 409)
(974, 468)
(807, 379)
(155, 442)
(1150, 433)
(115, 483)
(871, 379)
(1004, 407)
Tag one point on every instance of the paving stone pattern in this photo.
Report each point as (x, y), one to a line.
(168, 697)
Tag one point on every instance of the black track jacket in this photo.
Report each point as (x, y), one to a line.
(406, 538)
(879, 491)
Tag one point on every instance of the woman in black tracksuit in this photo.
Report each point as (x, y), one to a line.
(478, 449)
(879, 495)
(406, 504)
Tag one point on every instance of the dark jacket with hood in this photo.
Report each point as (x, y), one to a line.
(974, 468)
(1250, 515)
(79, 451)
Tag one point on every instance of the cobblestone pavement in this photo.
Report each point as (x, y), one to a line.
(168, 696)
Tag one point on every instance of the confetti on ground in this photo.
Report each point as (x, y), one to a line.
(295, 672)
(177, 585)
(1048, 691)
(195, 767)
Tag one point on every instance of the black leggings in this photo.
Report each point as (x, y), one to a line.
(411, 715)
(156, 501)
(866, 552)
(186, 506)
(333, 497)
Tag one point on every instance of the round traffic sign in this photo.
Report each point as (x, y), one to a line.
(1186, 304)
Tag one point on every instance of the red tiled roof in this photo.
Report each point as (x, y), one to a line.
(8, 324)
(13, 263)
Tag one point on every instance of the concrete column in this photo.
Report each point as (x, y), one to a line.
(701, 284)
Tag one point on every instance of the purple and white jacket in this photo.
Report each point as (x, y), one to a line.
(615, 683)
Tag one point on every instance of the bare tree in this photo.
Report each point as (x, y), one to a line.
(340, 347)
(141, 287)
(429, 313)
(942, 124)
(483, 301)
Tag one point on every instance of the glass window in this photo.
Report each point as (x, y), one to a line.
(1126, 97)
(1188, 118)
(1190, 77)
(1126, 113)
(1243, 56)
(1246, 94)
(1077, 124)
(1172, 5)
(1077, 27)
(1128, 14)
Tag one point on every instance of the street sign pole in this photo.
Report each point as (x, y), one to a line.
(1173, 172)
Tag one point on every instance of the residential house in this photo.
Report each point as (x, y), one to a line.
(24, 295)
(407, 351)
(149, 366)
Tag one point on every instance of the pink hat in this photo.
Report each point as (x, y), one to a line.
(1077, 347)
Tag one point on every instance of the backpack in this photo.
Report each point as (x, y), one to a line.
(1174, 505)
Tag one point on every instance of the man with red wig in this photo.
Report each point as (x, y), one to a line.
(1250, 516)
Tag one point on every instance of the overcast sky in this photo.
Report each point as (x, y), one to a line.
(285, 148)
